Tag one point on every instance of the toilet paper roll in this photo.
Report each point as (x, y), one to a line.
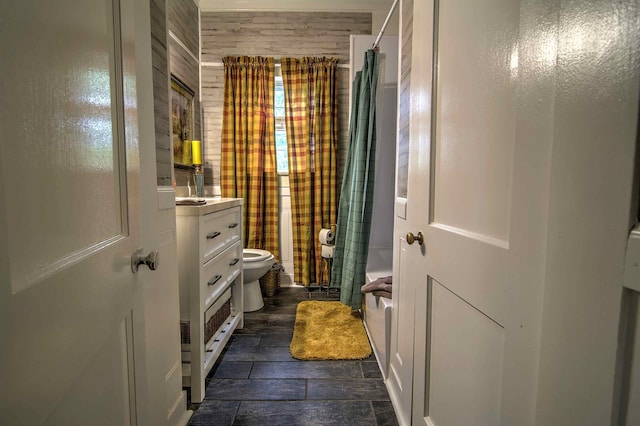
(326, 236)
(327, 251)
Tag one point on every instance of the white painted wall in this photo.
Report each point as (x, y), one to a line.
(286, 233)
(595, 117)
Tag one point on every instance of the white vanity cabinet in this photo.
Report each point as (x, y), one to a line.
(210, 271)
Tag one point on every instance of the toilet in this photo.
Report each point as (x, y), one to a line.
(255, 263)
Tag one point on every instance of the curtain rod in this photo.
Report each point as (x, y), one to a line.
(384, 25)
(276, 63)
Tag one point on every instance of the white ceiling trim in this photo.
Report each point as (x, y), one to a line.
(294, 5)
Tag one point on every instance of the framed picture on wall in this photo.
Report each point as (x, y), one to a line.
(182, 123)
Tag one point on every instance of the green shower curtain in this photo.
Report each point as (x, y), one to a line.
(356, 195)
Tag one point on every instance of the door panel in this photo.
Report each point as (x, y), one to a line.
(475, 272)
(466, 355)
(402, 334)
(66, 148)
(112, 368)
(70, 219)
(474, 116)
(403, 341)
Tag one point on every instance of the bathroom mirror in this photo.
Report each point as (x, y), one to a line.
(182, 122)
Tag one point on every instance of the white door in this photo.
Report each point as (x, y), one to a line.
(69, 218)
(466, 330)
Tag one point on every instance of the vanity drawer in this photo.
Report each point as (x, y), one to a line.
(218, 230)
(219, 272)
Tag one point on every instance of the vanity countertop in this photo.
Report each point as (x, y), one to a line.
(211, 205)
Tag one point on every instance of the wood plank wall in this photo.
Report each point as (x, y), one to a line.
(276, 34)
(159, 61)
(184, 45)
(405, 93)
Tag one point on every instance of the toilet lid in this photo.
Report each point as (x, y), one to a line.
(255, 255)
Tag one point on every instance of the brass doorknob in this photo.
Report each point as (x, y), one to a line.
(413, 238)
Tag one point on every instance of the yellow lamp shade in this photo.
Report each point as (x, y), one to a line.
(196, 153)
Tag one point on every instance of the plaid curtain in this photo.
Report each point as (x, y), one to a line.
(356, 194)
(248, 166)
(312, 137)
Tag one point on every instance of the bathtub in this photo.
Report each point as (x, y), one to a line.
(377, 310)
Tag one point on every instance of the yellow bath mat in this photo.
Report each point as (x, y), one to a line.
(328, 330)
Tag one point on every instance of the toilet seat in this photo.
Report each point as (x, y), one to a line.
(255, 255)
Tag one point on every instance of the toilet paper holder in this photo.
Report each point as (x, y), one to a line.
(328, 251)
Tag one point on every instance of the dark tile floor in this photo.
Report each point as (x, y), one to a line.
(257, 382)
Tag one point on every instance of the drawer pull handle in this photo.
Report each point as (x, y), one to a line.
(234, 261)
(233, 225)
(212, 235)
(215, 279)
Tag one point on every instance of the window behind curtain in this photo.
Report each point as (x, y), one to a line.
(281, 132)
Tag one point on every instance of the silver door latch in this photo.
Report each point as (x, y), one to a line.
(151, 260)
(631, 277)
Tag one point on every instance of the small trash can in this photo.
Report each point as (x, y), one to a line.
(270, 282)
